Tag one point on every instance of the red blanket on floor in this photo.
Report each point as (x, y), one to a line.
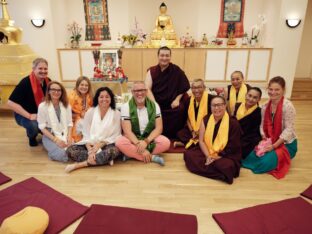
(307, 193)
(4, 179)
(62, 210)
(290, 216)
(118, 220)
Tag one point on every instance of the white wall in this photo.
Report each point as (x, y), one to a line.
(42, 41)
(201, 16)
(287, 42)
(304, 64)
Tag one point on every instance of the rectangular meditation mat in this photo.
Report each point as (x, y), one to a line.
(62, 210)
(290, 216)
(4, 179)
(119, 220)
(307, 193)
(179, 149)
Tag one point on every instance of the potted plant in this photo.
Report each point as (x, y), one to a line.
(75, 31)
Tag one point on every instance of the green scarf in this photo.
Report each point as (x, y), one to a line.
(135, 125)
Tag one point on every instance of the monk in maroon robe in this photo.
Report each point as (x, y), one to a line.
(249, 121)
(168, 85)
(221, 165)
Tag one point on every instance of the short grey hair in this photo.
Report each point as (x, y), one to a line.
(37, 61)
(199, 80)
(138, 82)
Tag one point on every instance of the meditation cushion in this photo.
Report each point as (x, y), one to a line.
(30, 220)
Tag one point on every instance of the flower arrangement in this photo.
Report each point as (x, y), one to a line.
(131, 39)
(136, 36)
(257, 28)
(75, 31)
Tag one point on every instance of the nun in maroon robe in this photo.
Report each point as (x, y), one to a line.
(250, 126)
(166, 86)
(228, 166)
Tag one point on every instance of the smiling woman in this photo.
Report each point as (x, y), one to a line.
(80, 100)
(248, 114)
(101, 128)
(277, 124)
(55, 122)
(219, 152)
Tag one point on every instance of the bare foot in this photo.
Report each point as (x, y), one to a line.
(69, 168)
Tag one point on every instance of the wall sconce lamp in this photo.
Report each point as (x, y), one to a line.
(293, 23)
(38, 23)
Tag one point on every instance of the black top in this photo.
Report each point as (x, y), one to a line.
(250, 126)
(229, 89)
(24, 96)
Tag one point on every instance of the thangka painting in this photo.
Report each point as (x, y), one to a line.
(231, 18)
(96, 14)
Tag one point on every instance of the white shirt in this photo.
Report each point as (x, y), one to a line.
(44, 120)
(115, 127)
(142, 115)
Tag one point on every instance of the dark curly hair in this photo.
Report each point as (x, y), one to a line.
(110, 93)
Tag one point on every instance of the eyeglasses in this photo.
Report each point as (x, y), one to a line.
(56, 90)
(139, 90)
(218, 105)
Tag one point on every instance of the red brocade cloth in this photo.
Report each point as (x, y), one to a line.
(119, 220)
(307, 193)
(62, 210)
(273, 130)
(290, 216)
(4, 179)
(239, 26)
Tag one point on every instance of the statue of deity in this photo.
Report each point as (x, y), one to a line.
(163, 28)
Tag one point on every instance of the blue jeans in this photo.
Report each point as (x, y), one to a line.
(31, 126)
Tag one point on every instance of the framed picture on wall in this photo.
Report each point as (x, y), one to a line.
(232, 11)
(108, 61)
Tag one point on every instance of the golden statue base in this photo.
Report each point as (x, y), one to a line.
(160, 43)
(16, 62)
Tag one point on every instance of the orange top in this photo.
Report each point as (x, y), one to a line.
(79, 109)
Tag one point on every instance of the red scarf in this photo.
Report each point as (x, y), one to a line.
(36, 88)
(273, 130)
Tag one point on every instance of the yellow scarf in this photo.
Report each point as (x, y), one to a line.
(243, 112)
(222, 137)
(202, 112)
(241, 96)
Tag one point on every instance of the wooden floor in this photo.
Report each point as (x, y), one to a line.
(302, 89)
(171, 188)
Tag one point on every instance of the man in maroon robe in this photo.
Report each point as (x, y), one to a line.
(168, 85)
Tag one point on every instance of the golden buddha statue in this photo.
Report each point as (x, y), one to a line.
(164, 29)
(231, 41)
